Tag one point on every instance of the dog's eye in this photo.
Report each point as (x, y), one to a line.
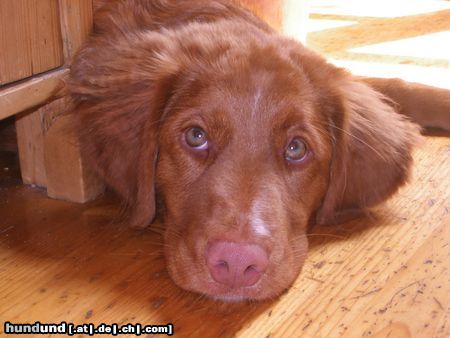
(296, 150)
(196, 138)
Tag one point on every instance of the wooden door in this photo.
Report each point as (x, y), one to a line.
(30, 38)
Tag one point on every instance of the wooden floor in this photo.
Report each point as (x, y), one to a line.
(385, 276)
(390, 274)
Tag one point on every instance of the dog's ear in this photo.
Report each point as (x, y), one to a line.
(372, 152)
(120, 91)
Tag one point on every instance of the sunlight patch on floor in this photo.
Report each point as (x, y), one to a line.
(430, 46)
(319, 25)
(434, 47)
(379, 8)
(439, 77)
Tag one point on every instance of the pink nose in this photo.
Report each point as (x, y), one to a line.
(236, 264)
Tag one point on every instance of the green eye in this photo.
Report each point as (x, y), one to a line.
(196, 138)
(296, 150)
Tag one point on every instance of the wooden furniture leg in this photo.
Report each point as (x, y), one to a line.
(30, 142)
(50, 156)
(287, 16)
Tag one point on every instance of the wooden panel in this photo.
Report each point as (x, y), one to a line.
(30, 141)
(31, 130)
(15, 57)
(68, 178)
(30, 38)
(76, 24)
(50, 157)
(45, 35)
(14, 99)
(269, 10)
(287, 16)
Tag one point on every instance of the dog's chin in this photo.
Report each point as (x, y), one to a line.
(229, 299)
(245, 295)
(223, 293)
(203, 284)
(191, 274)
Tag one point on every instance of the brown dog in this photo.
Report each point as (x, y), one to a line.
(243, 136)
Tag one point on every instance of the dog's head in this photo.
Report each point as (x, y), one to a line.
(243, 141)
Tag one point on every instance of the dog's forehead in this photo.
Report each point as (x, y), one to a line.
(261, 99)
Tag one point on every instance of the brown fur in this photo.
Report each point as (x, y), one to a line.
(152, 69)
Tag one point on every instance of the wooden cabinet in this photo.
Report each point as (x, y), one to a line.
(30, 38)
(37, 40)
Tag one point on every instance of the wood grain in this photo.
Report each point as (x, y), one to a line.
(45, 35)
(76, 24)
(31, 129)
(19, 97)
(30, 142)
(68, 178)
(15, 57)
(30, 39)
(50, 156)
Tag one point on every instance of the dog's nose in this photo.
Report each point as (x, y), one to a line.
(236, 264)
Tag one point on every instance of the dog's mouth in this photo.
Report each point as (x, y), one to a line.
(200, 281)
(230, 298)
(203, 283)
(219, 292)
(233, 298)
(227, 293)
(231, 271)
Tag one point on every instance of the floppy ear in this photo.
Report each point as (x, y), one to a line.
(120, 91)
(372, 157)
